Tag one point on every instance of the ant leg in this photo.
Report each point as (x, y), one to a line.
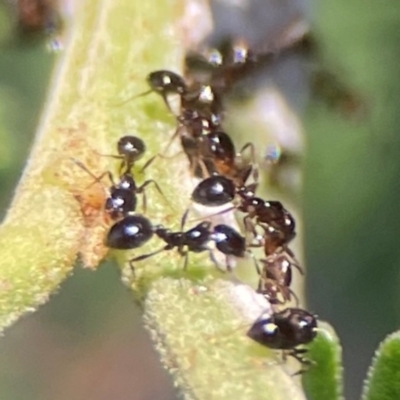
(213, 215)
(117, 157)
(160, 155)
(295, 262)
(96, 179)
(141, 189)
(165, 99)
(148, 163)
(250, 227)
(173, 137)
(297, 354)
(215, 260)
(184, 218)
(123, 165)
(259, 286)
(143, 257)
(254, 169)
(205, 172)
(295, 297)
(110, 177)
(256, 265)
(184, 254)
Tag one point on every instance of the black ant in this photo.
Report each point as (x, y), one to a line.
(194, 240)
(134, 230)
(166, 83)
(285, 330)
(196, 96)
(122, 195)
(197, 239)
(122, 199)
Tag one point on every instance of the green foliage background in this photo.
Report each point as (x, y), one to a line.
(351, 217)
(352, 192)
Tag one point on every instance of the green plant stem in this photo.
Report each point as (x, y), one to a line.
(110, 46)
(57, 212)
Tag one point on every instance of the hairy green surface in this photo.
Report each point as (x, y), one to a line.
(57, 213)
(383, 382)
(110, 47)
(202, 341)
(324, 379)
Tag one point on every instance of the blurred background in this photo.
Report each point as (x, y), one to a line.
(87, 342)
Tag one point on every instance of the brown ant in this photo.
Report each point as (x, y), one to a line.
(207, 146)
(277, 222)
(276, 278)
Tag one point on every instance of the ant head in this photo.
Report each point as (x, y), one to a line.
(131, 147)
(265, 332)
(164, 82)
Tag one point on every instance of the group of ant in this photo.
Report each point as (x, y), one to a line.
(224, 174)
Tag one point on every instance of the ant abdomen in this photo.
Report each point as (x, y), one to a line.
(222, 150)
(214, 191)
(228, 241)
(129, 233)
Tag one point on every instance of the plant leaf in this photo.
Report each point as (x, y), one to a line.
(57, 211)
(383, 378)
(324, 379)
